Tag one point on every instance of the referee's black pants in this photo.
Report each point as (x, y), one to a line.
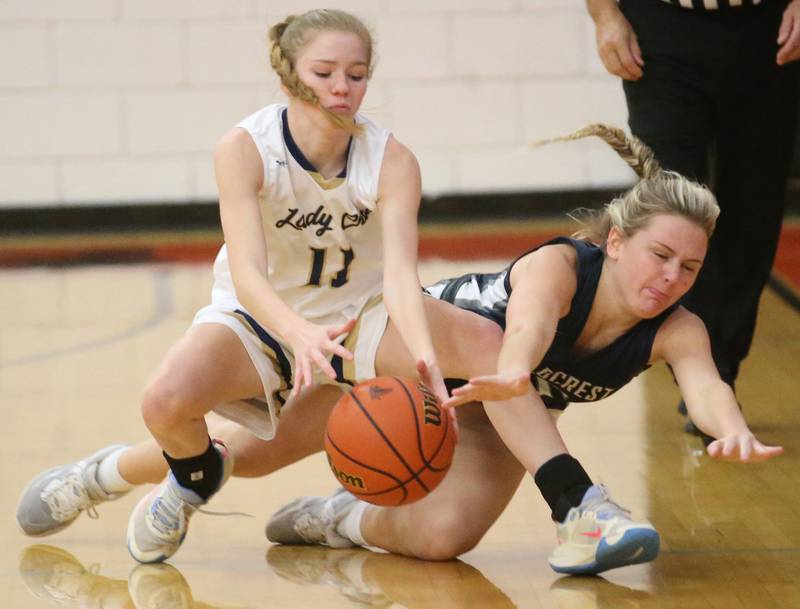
(714, 106)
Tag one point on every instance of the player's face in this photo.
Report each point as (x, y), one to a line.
(335, 65)
(659, 263)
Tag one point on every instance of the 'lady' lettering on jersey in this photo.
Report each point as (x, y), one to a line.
(318, 217)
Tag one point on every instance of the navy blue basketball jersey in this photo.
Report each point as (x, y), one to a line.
(563, 376)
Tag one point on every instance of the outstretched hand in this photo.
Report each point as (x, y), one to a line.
(431, 377)
(311, 345)
(742, 448)
(490, 388)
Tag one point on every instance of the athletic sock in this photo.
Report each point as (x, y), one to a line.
(563, 482)
(201, 474)
(350, 526)
(108, 476)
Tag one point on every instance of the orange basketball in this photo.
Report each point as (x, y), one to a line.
(389, 442)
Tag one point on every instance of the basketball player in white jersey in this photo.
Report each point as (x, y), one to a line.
(317, 205)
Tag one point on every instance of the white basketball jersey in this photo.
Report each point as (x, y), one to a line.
(324, 247)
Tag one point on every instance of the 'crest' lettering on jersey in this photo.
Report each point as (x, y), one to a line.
(574, 389)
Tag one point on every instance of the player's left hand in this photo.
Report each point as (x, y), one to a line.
(789, 34)
(491, 388)
(742, 448)
(430, 376)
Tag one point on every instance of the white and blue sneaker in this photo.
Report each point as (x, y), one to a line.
(599, 535)
(160, 521)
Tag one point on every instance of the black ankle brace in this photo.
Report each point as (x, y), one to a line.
(201, 474)
(563, 482)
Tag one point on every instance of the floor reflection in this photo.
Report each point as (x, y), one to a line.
(576, 592)
(53, 574)
(381, 580)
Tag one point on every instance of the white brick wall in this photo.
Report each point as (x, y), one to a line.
(118, 55)
(105, 101)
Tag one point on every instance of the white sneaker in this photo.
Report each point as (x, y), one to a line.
(312, 520)
(55, 498)
(599, 535)
(160, 521)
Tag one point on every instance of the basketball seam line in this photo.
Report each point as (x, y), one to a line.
(399, 481)
(388, 442)
(436, 451)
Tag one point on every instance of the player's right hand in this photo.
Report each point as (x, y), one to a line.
(311, 345)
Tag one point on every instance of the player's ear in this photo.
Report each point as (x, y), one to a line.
(614, 242)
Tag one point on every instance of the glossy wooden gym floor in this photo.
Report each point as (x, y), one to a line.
(78, 342)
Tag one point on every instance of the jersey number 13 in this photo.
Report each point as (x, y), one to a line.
(318, 263)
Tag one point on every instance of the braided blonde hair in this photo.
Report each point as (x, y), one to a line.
(657, 192)
(289, 37)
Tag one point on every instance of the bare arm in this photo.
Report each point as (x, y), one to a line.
(617, 45)
(400, 191)
(240, 176)
(543, 284)
(683, 342)
(527, 429)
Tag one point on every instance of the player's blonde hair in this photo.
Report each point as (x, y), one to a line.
(658, 191)
(288, 38)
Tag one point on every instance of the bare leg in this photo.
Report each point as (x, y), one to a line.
(453, 518)
(484, 473)
(527, 429)
(187, 384)
(143, 463)
(299, 435)
(466, 344)
(208, 366)
(302, 426)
